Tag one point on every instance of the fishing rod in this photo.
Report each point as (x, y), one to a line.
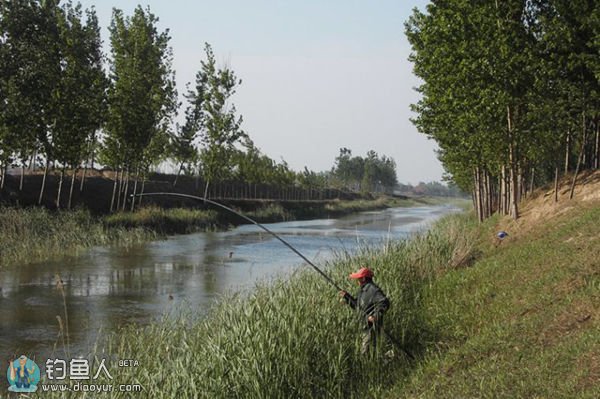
(284, 242)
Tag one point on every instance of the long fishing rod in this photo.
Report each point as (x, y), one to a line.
(284, 242)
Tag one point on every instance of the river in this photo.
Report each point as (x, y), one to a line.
(108, 287)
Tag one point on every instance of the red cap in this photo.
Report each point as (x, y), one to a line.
(361, 273)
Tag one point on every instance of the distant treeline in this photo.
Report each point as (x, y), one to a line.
(510, 93)
(62, 111)
(431, 189)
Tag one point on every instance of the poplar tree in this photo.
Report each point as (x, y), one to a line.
(505, 84)
(30, 71)
(221, 127)
(142, 96)
(80, 107)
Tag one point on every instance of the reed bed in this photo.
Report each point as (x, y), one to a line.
(270, 213)
(292, 338)
(164, 221)
(28, 235)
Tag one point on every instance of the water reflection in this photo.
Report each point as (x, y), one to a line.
(108, 287)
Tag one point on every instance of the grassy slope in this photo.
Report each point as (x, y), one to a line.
(524, 321)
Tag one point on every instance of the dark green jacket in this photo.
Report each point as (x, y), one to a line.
(370, 301)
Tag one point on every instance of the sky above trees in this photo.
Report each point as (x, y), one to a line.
(316, 76)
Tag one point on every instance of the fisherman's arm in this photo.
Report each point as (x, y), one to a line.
(349, 299)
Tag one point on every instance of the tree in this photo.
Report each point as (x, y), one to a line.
(30, 71)
(142, 97)
(222, 129)
(183, 142)
(80, 94)
(502, 84)
(368, 174)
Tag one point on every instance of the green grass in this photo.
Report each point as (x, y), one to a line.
(291, 339)
(522, 323)
(35, 234)
(515, 320)
(270, 213)
(382, 202)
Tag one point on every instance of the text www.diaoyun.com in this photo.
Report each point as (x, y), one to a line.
(91, 388)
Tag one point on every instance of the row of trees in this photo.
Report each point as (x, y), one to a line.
(510, 92)
(60, 109)
(52, 85)
(434, 189)
(371, 173)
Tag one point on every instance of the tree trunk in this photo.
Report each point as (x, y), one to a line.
(33, 157)
(597, 150)
(120, 189)
(206, 189)
(556, 184)
(83, 177)
(521, 182)
(114, 193)
(485, 194)
(142, 191)
(60, 183)
(532, 181)
(2, 174)
(126, 190)
(478, 194)
(178, 173)
(490, 191)
(579, 158)
(567, 151)
(499, 196)
(503, 190)
(137, 176)
(43, 182)
(22, 177)
(72, 185)
(514, 208)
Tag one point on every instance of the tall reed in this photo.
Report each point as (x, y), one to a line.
(28, 235)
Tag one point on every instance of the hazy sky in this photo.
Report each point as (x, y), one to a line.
(317, 75)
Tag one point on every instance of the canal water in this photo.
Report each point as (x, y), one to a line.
(108, 287)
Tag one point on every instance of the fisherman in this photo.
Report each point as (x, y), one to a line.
(372, 303)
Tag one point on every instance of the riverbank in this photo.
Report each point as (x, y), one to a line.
(289, 338)
(35, 234)
(483, 317)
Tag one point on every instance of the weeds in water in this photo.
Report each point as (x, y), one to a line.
(270, 213)
(28, 235)
(166, 221)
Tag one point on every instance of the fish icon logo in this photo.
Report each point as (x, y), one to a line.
(23, 375)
